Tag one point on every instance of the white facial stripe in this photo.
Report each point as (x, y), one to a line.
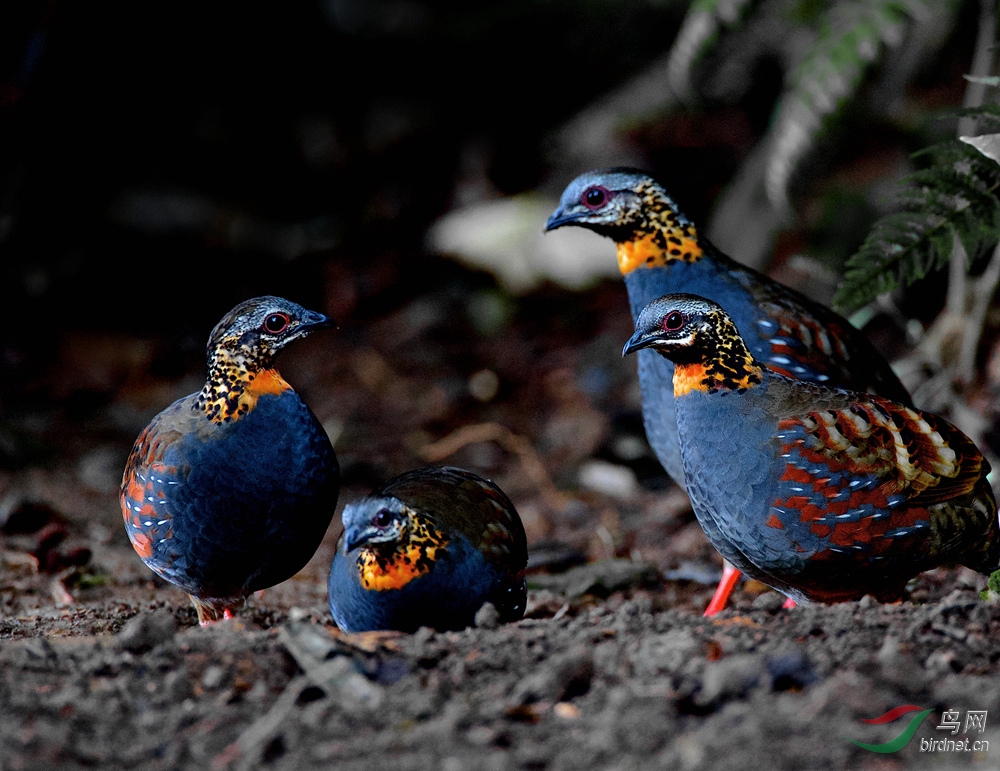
(689, 340)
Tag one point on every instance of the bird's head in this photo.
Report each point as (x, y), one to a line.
(375, 521)
(255, 330)
(391, 542)
(631, 208)
(608, 201)
(702, 341)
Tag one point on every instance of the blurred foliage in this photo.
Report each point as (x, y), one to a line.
(992, 591)
(955, 196)
(828, 51)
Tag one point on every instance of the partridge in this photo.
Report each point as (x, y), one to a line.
(660, 251)
(823, 493)
(428, 549)
(231, 489)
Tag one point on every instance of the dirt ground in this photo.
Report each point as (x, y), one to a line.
(158, 166)
(102, 665)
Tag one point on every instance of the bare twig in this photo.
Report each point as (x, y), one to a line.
(958, 305)
(982, 291)
(518, 445)
(982, 63)
(955, 302)
(246, 750)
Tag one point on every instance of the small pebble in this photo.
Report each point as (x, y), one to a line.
(790, 670)
(940, 663)
(484, 385)
(769, 601)
(212, 678)
(146, 630)
(730, 677)
(609, 479)
(487, 617)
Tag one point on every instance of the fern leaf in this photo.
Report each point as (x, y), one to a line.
(956, 195)
(849, 39)
(988, 114)
(901, 248)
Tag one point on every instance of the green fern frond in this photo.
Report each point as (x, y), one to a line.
(827, 47)
(957, 195)
(988, 113)
(849, 39)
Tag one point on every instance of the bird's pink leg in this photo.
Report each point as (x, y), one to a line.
(789, 603)
(208, 620)
(730, 576)
(209, 613)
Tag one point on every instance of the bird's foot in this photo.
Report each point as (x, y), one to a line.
(730, 577)
(211, 612)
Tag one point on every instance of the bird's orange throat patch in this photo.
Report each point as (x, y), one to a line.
(708, 379)
(654, 250)
(232, 389)
(265, 382)
(727, 366)
(399, 563)
(662, 235)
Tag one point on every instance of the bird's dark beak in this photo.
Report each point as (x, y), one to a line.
(637, 342)
(560, 218)
(355, 537)
(312, 321)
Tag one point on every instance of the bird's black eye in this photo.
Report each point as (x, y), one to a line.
(594, 197)
(383, 518)
(275, 324)
(673, 321)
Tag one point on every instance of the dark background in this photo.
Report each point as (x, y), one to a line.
(137, 139)
(160, 162)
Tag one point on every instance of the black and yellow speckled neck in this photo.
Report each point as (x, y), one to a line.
(718, 360)
(655, 233)
(235, 381)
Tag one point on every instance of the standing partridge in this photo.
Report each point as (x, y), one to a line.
(428, 549)
(231, 489)
(822, 493)
(660, 251)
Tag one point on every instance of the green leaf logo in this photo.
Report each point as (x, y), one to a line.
(895, 745)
